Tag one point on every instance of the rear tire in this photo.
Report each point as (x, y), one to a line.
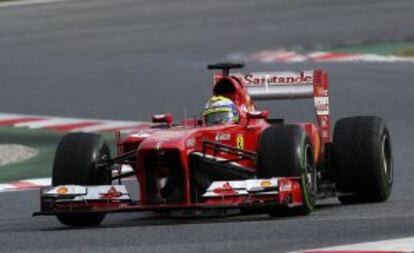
(286, 151)
(363, 160)
(74, 163)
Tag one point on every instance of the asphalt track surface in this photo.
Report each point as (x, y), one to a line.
(129, 59)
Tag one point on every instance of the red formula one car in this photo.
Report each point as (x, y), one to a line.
(254, 164)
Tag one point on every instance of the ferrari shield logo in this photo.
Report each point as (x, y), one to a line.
(240, 141)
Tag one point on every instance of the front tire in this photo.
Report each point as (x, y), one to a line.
(74, 163)
(286, 151)
(363, 160)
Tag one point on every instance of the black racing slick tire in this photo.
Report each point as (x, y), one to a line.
(74, 163)
(286, 151)
(362, 160)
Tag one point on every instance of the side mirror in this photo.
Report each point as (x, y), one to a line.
(257, 115)
(162, 118)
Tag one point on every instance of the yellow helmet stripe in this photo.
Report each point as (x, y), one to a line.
(217, 109)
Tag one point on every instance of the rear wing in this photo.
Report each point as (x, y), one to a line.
(278, 85)
(291, 85)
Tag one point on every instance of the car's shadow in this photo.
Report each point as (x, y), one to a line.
(159, 219)
(162, 220)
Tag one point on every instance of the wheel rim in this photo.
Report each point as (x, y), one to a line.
(386, 159)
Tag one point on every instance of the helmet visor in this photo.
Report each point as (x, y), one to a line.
(219, 117)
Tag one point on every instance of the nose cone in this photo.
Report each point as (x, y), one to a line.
(168, 139)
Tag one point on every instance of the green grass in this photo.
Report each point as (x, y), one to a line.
(407, 52)
(405, 49)
(41, 165)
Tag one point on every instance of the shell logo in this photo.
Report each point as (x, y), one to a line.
(62, 190)
(265, 184)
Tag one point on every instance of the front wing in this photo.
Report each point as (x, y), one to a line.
(243, 194)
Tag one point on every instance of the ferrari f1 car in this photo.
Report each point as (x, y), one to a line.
(258, 164)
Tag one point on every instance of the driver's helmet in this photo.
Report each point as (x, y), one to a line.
(220, 110)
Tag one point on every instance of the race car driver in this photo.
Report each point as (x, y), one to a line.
(220, 110)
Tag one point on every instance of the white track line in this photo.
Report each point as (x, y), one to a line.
(395, 245)
(29, 2)
(6, 187)
(48, 123)
(280, 55)
(110, 125)
(332, 57)
(10, 116)
(39, 181)
(36, 183)
(391, 58)
(92, 125)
